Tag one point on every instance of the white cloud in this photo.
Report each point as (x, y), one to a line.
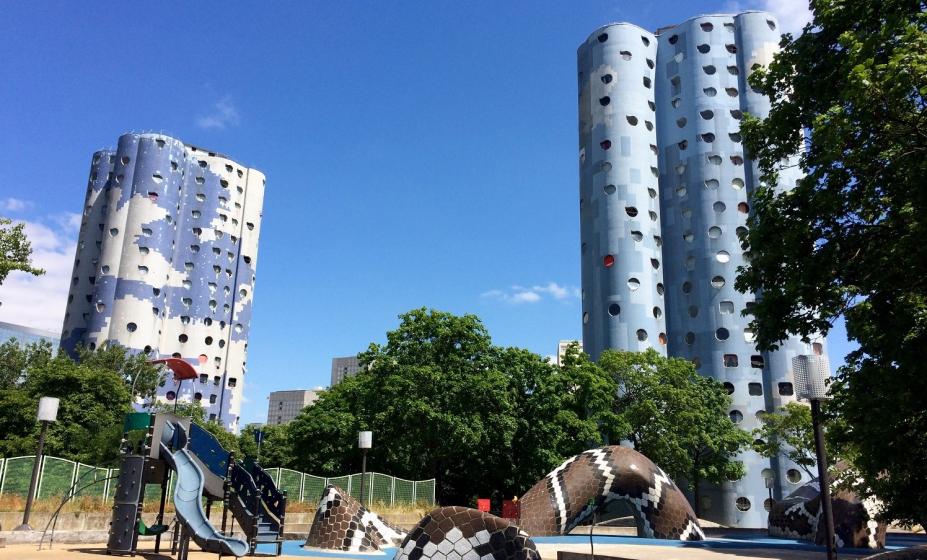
(39, 301)
(525, 296)
(224, 114)
(521, 294)
(14, 204)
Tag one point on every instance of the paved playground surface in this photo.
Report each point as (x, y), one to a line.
(548, 552)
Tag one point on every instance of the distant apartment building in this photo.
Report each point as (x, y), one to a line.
(27, 335)
(344, 367)
(284, 406)
(165, 264)
(562, 348)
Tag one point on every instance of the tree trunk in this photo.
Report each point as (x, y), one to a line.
(696, 497)
(697, 506)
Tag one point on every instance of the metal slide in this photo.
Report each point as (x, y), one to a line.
(187, 492)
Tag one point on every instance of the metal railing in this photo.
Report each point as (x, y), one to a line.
(56, 476)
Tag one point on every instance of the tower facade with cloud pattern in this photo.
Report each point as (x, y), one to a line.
(165, 263)
(664, 193)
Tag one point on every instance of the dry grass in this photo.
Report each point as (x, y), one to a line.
(376, 507)
(88, 504)
(48, 505)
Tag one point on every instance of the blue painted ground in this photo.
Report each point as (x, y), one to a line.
(294, 548)
(893, 542)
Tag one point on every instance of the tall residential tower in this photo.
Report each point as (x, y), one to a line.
(664, 192)
(165, 263)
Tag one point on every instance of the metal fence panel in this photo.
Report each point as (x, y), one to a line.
(404, 491)
(57, 476)
(343, 482)
(380, 489)
(111, 484)
(289, 482)
(18, 475)
(90, 481)
(274, 473)
(424, 492)
(312, 488)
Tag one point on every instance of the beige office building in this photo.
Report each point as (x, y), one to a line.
(284, 406)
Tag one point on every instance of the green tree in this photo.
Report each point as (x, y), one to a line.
(531, 450)
(676, 417)
(848, 97)
(141, 377)
(437, 404)
(789, 432)
(95, 394)
(15, 250)
(16, 359)
(580, 396)
(92, 405)
(324, 435)
(276, 450)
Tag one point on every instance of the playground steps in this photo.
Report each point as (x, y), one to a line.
(266, 533)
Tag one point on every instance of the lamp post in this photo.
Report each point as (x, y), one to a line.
(259, 438)
(770, 481)
(811, 375)
(364, 442)
(48, 412)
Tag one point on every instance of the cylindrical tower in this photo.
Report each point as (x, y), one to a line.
(705, 181)
(81, 303)
(757, 38)
(172, 263)
(622, 262)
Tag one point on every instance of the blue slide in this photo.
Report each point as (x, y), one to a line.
(188, 490)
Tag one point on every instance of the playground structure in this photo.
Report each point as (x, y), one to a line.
(575, 491)
(799, 516)
(159, 446)
(587, 483)
(343, 523)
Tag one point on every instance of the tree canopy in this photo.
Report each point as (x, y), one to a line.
(93, 401)
(676, 417)
(789, 432)
(848, 97)
(484, 420)
(15, 250)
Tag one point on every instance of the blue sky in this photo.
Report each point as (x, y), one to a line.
(417, 154)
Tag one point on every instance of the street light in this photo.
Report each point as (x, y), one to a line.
(811, 374)
(48, 412)
(770, 482)
(364, 442)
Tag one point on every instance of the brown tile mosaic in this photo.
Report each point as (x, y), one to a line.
(342, 523)
(458, 533)
(798, 516)
(587, 483)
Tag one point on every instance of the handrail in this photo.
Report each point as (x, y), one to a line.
(273, 498)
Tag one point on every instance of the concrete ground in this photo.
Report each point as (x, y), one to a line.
(653, 552)
(548, 552)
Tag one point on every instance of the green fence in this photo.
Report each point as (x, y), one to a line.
(57, 476)
(378, 488)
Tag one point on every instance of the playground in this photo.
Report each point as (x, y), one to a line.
(209, 504)
(604, 546)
